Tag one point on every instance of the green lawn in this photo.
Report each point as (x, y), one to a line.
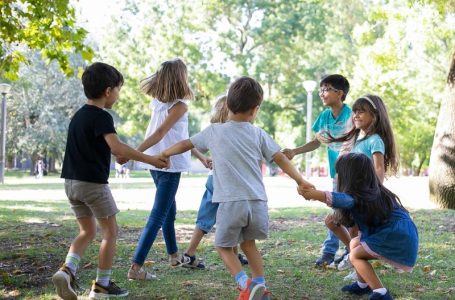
(34, 239)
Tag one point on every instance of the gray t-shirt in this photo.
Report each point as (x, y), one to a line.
(237, 150)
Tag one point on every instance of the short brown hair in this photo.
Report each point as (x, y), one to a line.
(244, 94)
(169, 83)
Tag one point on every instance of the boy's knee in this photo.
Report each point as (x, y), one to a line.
(88, 234)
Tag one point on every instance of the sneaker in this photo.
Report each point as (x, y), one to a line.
(179, 261)
(266, 295)
(193, 263)
(102, 292)
(345, 264)
(325, 260)
(378, 296)
(65, 283)
(243, 260)
(351, 276)
(356, 289)
(339, 259)
(140, 274)
(253, 291)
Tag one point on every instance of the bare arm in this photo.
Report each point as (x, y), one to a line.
(178, 148)
(309, 194)
(378, 162)
(310, 146)
(207, 162)
(118, 148)
(283, 162)
(175, 113)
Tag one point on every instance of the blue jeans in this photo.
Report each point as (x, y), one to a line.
(331, 243)
(162, 216)
(206, 215)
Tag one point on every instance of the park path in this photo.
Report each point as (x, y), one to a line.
(281, 191)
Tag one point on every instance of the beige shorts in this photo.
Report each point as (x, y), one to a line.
(239, 221)
(90, 199)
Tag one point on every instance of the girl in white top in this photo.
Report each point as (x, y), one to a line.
(168, 125)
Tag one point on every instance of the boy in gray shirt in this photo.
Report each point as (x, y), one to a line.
(238, 148)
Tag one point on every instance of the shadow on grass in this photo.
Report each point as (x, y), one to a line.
(35, 237)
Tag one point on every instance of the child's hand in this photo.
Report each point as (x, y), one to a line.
(160, 161)
(207, 162)
(289, 153)
(306, 193)
(121, 160)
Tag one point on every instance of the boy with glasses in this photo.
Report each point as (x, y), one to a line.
(335, 120)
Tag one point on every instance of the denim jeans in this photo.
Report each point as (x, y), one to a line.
(162, 216)
(206, 215)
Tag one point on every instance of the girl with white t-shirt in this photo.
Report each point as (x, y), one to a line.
(168, 125)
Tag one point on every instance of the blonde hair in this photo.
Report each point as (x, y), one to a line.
(220, 110)
(169, 83)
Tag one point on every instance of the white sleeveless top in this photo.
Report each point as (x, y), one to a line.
(177, 133)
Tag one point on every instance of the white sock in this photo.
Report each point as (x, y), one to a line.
(362, 285)
(381, 291)
(72, 262)
(103, 276)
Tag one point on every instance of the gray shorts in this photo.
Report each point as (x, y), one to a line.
(90, 199)
(239, 221)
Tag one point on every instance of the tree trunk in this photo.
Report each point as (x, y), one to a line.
(442, 160)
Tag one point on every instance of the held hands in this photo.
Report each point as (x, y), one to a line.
(160, 161)
(289, 153)
(121, 160)
(207, 162)
(306, 189)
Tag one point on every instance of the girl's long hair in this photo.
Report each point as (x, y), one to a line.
(169, 83)
(379, 125)
(357, 177)
(220, 111)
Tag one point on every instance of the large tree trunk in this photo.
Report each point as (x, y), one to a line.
(442, 160)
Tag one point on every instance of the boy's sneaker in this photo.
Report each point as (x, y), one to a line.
(266, 295)
(243, 260)
(253, 291)
(339, 259)
(102, 292)
(356, 289)
(378, 296)
(345, 264)
(193, 262)
(65, 283)
(325, 260)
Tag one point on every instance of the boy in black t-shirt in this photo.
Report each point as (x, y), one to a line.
(91, 140)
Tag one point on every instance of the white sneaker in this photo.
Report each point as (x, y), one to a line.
(351, 277)
(345, 264)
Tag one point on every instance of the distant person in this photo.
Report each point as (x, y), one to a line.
(91, 140)
(335, 120)
(121, 170)
(388, 232)
(39, 169)
(238, 148)
(206, 215)
(168, 125)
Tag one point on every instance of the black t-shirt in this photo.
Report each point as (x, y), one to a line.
(87, 155)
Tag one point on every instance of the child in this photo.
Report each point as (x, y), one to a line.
(387, 230)
(336, 121)
(91, 139)
(238, 148)
(168, 125)
(206, 216)
(371, 135)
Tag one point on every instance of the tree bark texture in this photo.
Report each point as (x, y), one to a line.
(442, 160)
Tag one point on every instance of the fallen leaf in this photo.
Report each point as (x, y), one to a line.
(15, 293)
(420, 289)
(149, 263)
(88, 265)
(426, 269)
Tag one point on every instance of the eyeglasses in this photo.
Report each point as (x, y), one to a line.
(327, 89)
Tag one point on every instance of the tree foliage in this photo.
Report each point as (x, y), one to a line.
(45, 25)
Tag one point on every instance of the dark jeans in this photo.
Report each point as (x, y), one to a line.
(162, 216)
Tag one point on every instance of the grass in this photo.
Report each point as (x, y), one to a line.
(35, 236)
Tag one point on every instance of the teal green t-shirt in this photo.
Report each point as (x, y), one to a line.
(336, 127)
(369, 145)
